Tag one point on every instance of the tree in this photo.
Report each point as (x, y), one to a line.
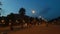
(11, 16)
(22, 11)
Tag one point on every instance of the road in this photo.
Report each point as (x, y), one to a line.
(41, 29)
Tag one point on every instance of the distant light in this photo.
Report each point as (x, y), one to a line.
(33, 11)
(17, 21)
(39, 17)
(9, 23)
(2, 21)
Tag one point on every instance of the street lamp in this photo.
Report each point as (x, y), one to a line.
(33, 12)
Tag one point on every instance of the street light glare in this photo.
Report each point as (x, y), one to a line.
(33, 11)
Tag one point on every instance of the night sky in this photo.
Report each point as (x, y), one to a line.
(48, 9)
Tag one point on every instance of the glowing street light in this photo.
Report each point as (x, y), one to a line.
(33, 11)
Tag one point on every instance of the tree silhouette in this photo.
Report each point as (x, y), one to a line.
(11, 16)
(22, 11)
